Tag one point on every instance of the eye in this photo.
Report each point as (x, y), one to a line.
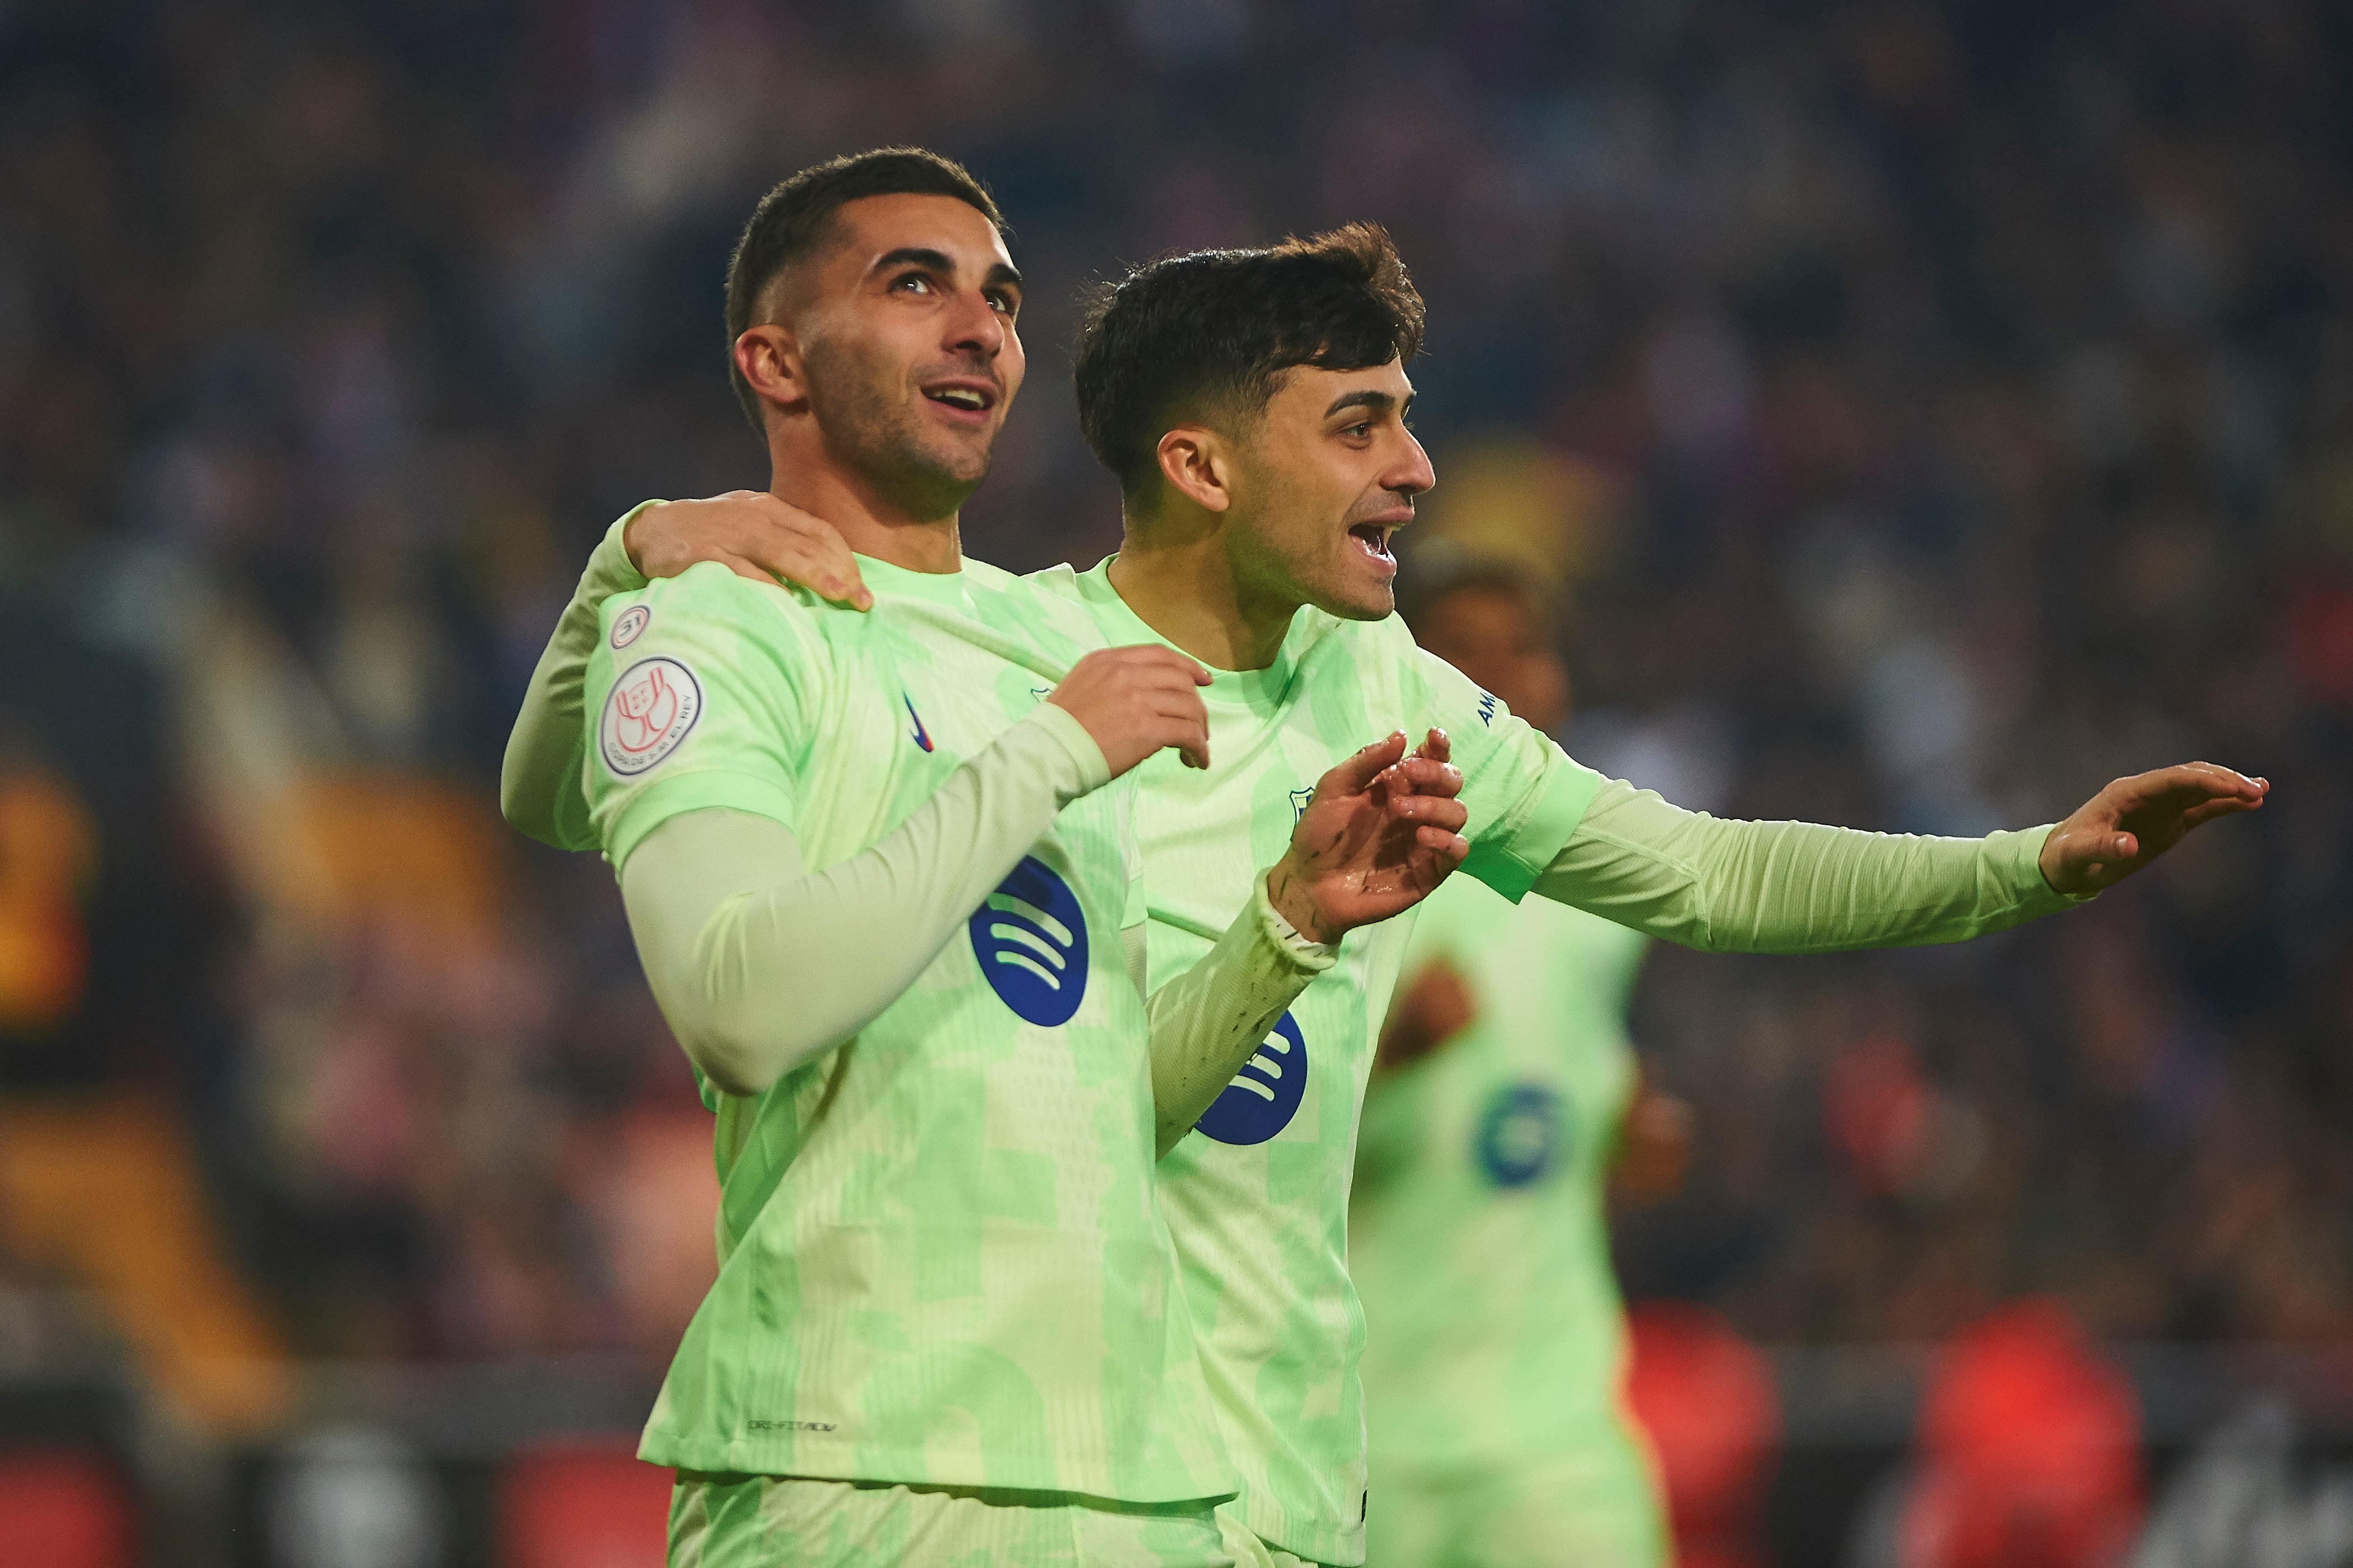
(1001, 300)
(912, 282)
(1361, 430)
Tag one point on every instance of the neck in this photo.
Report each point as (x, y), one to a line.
(1179, 577)
(872, 517)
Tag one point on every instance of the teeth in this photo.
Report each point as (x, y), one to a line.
(962, 397)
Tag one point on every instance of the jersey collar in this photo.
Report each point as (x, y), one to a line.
(1123, 626)
(944, 588)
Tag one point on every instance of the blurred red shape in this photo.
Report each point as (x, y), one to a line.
(1709, 1401)
(2320, 640)
(2029, 1448)
(1878, 1107)
(65, 1509)
(583, 1505)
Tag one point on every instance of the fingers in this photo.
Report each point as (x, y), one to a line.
(1356, 774)
(2086, 844)
(1451, 848)
(1436, 810)
(1436, 855)
(1185, 722)
(1147, 658)
(1418, 774)
(803, 548)
(1437, 746)
(2203, 780)
(751, 569)
(2207, 811)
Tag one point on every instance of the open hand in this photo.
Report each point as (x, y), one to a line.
(2135, 820)
(1382, 830)
(754, 535)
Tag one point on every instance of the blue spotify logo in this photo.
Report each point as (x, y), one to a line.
(1264, 1096)
(1519, 1134)
(1030, 938)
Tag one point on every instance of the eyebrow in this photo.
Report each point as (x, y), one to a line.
(1369, 398)
(937, 260)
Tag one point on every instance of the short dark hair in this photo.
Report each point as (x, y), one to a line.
(1218, 328)
(791, 218)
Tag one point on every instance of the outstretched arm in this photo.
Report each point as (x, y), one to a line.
(1798, 887)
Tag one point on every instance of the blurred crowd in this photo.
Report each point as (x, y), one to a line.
(1927, 412)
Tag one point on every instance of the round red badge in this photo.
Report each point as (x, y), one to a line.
(650, 710)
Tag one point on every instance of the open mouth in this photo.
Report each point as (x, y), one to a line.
(1373, 539)
(964, 396)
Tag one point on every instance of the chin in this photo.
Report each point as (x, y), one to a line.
(1375, 603)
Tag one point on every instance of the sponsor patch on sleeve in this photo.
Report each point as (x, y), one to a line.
(649, 713)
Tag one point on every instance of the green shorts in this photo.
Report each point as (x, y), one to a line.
(785, 1522)
(1596, 1507)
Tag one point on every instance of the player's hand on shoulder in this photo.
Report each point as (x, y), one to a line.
(2136, 819)
(1132, 701)
(1382, 829)
(754, 535)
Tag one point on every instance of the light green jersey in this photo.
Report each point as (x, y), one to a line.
(1479, 1234)
(942, 1261)
(1258, 1198)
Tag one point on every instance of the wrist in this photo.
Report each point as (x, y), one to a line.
(1287, 893)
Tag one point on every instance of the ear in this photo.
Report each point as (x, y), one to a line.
(1193, 460)
(769, 357)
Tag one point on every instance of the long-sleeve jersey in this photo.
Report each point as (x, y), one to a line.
(1257, 1199)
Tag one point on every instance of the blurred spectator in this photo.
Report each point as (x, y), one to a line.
(2030, 1452)
(1707, 1400)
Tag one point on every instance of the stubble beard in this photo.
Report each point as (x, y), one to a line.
(866, 428)
(1301, 567)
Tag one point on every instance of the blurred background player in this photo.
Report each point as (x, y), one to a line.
(1505, 1095)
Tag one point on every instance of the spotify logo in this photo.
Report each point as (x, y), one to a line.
(1519, 1134)
(1030, 938)
(1264, 1096)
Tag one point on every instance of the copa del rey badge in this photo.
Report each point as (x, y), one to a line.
(652, 706)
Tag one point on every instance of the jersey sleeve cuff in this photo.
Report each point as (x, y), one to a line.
(1303, 952)
(2019, 856)
(1094, 771)
(1511, 859)
(682, 793)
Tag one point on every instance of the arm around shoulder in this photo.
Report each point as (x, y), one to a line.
(540, 790)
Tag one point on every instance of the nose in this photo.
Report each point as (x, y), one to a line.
(975, 327)
(1411, 473)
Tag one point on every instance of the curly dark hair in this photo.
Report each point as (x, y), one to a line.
(1211, 334)
(792, 219)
